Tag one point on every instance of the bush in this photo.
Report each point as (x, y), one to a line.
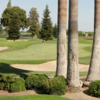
(56, 85)
(18, 85)
(5, 82)
(35, 81)
(94, 88)
(90, 33)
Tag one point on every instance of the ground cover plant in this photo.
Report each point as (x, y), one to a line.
(33, 97)
(34, 51)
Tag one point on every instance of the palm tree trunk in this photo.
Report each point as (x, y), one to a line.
(61, 39)
(73, 72)
(94, 69)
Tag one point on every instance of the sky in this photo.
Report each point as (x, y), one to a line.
(85, 16)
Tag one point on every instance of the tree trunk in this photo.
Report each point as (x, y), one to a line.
(61, 39)
(73, 72)
(94, 69)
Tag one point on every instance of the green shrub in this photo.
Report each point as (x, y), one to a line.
(94, 88)
(18, 85)
(56, 85)
(35, 81)
(5, 82)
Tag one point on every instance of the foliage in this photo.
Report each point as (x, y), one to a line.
(94, 88)
(18, 85)
(1, 29)
(9, 4)
(80, 33)
(56, 85)
(34, 81)
(8, 14)
(34, 21)
(5, 82)
(46, 32)
(90, 33)
(14, 27)
(55, 31)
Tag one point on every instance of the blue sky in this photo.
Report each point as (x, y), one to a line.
(86, 10)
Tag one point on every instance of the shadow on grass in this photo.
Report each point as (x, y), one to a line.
(7, 69)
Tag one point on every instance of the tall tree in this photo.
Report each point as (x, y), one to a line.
(94, 69)
(7, 15)
(34, 21)
(61, 39)
(73, 72)
(9, 4)
(46, 32)
(55, 31)
(14, 27)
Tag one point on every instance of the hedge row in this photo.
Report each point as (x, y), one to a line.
(56, 85)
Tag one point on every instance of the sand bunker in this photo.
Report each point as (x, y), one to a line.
(48, 66)
(3, 48)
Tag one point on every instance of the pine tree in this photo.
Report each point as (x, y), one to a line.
(9, 4)
(14, 27)
(46, 32)
(55, 31)
(34, 21)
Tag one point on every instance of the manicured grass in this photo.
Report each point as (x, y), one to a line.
(36, 52)
(83, 73)
(33, 97)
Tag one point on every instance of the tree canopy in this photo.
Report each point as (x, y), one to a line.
(8, 13)
(34, 21)
(14, 27)
(9, 4)
(46, 32)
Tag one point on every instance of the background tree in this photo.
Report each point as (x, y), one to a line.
(55, 31)
(14, 27)
(1, 29)
(73, 71)
(34, 21)
(46, 32)
(8, 13)
(9, 4)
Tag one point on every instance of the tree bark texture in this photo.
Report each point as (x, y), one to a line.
(94, 69)
(73, 71)
(61, 39)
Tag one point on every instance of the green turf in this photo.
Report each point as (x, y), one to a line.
(33, 97)
(34, 51)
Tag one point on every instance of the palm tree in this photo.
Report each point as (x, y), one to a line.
(94, 69)
(61, 39)
(73, 72)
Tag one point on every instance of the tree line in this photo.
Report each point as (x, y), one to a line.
(14, 18)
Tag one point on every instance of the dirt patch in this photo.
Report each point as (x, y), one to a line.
(48, 66)
(83, 95)
(3, 48)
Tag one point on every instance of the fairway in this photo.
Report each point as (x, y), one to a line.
(34, 51)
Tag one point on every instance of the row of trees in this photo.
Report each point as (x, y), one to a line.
(71, 71)
(45, 30)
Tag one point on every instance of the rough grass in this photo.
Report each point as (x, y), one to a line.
(33, 97)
